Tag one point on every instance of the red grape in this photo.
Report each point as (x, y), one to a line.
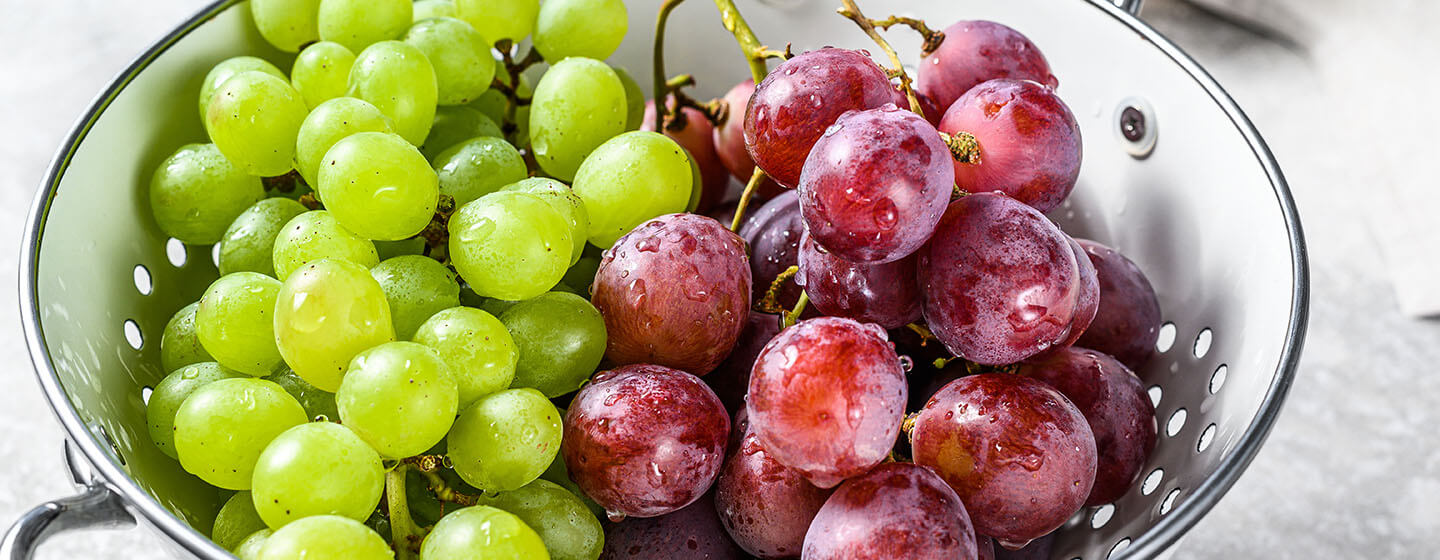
(885, 294)
(765, 506)
(1029, 142)
(1114, 402)
(674, 292)
(644, 440)
(696, 135)
(928, 108)
(731, 379)
(876, 184)
(730, 141)
(801, 98)
(985, 546)
(1000, 281)
(897, 510)
(693, 532)
(773, 233)
(1129, 316)
(979, 51)
(1020, 455)
(826, 398)
(1088, 302)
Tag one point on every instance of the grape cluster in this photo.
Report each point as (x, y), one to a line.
(427, 251)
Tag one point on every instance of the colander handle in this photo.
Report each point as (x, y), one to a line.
(1131, 6)
(98, 507)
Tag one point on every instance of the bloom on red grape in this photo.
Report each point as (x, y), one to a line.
(979, 51)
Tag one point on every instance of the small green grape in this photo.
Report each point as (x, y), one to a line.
(318, 404)
(477, 167)
(510, 245)
(561, 338)
(227, 68)
(322, 72)
(634, 99)
(327, 312)
(358, 24)
(499, 534)
(331, 122)
(631, 179)
(235, 322)
(563, 521)
(497, 20)
(564, 201)
(399, 397)
(179, 347)
(171, 392)
(416, 287)
(480, 352)
(426, 9)
(396, 78)
(454, 125)
(505, 440)
(223, 426)
(287, 24)
(249, 549)
(236, 520)
(463, 64)
(254, 120)
(249, 244)
(319, 468)
(196, 193)
(325, 537)
(392, 249)
(588, 28)
(582, 275)
(578, 105)
(379, 186)
(317, 235)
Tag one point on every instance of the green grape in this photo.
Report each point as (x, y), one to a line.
(249, 549)
(579, 104)
(454, 125)
(588, 28)
(558, 474)
(561, 338)
(426, 9)
(236, 521)
(227, 68)
(630, 179)
(319, 404)
(358, 24)
(234, 322)
(398, 79)
(379, 186)
(463, 64)
(505, 440)
(497, 307)
(254, 120)
(196, 193)
(317, 235)
(179, 347)
(416, 287)
(287, 24)
(322, 72)
(477, 167)
(331, 122)
(581, 275)
(564, 201)
(249, 244)
(171, 392)
(499, 19)
(399, 397)
(510, 245)
(392, 249)
(695, 184)
(325, 537)
(492, 533)
(223, 426)
(634, 99)
(566, 525)
(327, 312)
(476, 346)
(319, 468)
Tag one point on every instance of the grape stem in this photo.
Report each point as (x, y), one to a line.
(309, 201)
(750, 46)
(425, 463)
(925, 335)
(445, 493)
(403, 537)
(931, 37)
(852, 11)
(513, 69)
(770, 303)
(794, 315)
(757, 177)
(437, 233)
(662, 86)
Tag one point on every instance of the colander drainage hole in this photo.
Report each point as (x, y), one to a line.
(132, 334)
(175, 251)
(1155, 393)
(1202, 343)
(1119, 546)
(1206, 437)
(1152, 482)
(1166, 338)
(1217, 379)
(145, 393)
(142, 280)
(1176, 423)
(1169, 502)
(1101, 516)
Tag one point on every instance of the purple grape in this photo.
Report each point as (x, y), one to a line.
(1115, 404)
(1128, 319)
(692, 533)
(897, 510)
(773, 232)
(979, 51)
(644, 440)
(826, 398)
(1000, 281)
(1018, 453)
(1029, 142)
(1088, 302)
(765, 506)
(886, 294)
(732, 378)
(730, 141)
(875, 185)
(674, 292)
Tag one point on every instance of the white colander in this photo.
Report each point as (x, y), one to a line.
(1197, 201)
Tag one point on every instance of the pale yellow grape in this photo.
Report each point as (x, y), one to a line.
(172, 391)
(249, 244)
(499, 534)
(249, 549)
(234, 322)
(223, 426)
(379, 186)
(319, 468)
(325, 537)
(416, 287)
(179, 346)
(253, 119)
(477, 167)
(464, 67)
(331, 122)
(327, 312)
(317, 235)
(396, 78)
(497, 20)
(230, 67)
(399, 397)
(287, 24)
(236, 521)
(360, 23)
(505, 440)
(510, 245)
(426, 9)
(589, 28)
(563, 200)
(321, 72)
(196, 193)
(630, 179)
(578, 105)
(479, 350)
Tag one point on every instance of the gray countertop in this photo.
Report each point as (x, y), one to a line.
(1352, 470)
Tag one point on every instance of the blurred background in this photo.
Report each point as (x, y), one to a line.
(1340, 89)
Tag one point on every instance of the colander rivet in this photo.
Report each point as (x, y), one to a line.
(1135, 126)
(1132, 124)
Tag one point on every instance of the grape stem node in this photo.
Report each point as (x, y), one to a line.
(445, 493)
(770, 303)
(794, 315)
(931, 37)
(964, 147)
(852, 11)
